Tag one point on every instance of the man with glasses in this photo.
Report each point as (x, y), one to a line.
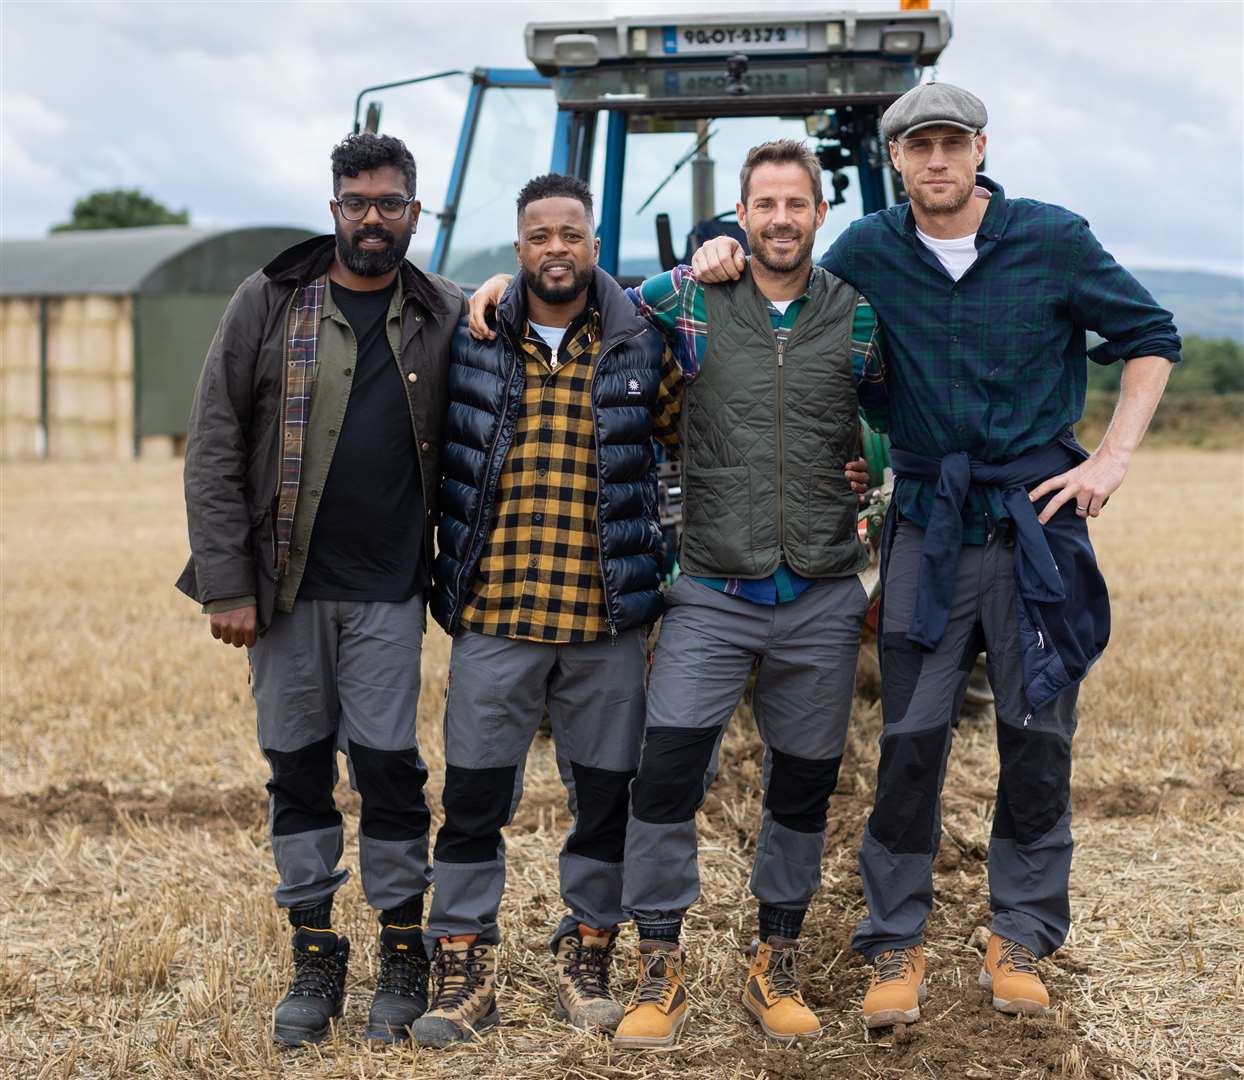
(311, 474)
(984, 302)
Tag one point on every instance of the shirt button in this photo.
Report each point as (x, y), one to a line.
(349, 371)
(537, 517)
(955, 384)
(532, 562)
(542, 472)
(412, 377)
(425, 446)
(332, 431)
(954, 337)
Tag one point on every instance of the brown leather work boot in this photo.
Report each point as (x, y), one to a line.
(583, 960)
(1010, 973)
(771, 992)
(464, 1002)
(658, 1008)
(897, 989)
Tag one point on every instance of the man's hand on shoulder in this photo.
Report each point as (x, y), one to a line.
(484, 303)
(719, 259)
(237, 627)
(856, 473)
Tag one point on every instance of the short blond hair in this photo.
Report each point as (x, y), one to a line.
(782, 152)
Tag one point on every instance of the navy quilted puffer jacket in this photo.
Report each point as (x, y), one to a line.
(486, 381)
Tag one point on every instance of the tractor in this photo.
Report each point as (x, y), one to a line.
(628, 104)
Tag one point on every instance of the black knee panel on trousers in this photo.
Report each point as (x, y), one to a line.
(670, 783)
(799, 790)
(302, 788)
(907, 782)
(901, 661)
(477, 805)
(1034, 783)
(390, 783)
(602, 796)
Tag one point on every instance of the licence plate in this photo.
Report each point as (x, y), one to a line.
(776, 37)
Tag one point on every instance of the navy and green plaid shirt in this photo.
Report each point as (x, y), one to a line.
(995, 363)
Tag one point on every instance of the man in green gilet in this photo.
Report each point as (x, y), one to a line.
(770, 560)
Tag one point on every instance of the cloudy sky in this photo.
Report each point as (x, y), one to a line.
(1129, 112)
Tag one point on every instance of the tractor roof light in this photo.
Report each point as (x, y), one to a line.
(576, 50)
(901, 42)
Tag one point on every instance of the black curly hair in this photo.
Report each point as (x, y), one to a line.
(363, 152)
(555, 186)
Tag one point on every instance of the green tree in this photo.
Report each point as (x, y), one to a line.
(120, 209)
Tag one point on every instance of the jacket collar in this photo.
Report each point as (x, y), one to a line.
(310, 259)
(618, 316)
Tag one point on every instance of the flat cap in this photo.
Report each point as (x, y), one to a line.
(934, 103)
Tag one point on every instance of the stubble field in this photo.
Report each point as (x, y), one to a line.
(138, 939)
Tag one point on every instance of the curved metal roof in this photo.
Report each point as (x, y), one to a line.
(118, 262)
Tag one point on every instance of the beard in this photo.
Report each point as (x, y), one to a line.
(779, 264)
(558, 294)
(949, 202)
(371, 263)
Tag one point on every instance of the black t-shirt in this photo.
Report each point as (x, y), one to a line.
(367, 541)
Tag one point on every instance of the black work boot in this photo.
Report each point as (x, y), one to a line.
(402, 985)
(318, 990)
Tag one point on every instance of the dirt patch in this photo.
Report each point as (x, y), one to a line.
(90, 804)
(1170, 795)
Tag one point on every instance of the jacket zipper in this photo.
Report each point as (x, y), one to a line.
(781, 448)
(492, 449)
(600, 538)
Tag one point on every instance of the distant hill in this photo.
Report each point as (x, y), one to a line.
(1206, 305)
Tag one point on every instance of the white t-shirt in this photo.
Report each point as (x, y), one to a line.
(552, 335)
(781, 305)
(955, 255)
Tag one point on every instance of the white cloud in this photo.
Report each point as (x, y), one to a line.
(1129, 113)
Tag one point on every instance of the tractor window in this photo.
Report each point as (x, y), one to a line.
(653, 147)
(513, 142)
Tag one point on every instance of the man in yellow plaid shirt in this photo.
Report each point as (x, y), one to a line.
(547, 576)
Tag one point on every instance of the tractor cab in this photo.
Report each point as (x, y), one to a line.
(657, 115)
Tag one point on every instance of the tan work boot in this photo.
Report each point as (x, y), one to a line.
(897, 989)
(464, 1002)
(771, 992)
(657, 1009)
(582, 961)
(1010, 972)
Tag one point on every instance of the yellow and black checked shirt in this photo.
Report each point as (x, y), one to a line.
(539, 574)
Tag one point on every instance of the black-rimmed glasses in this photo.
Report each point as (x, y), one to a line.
(390, 207)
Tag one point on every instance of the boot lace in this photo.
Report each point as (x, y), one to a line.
(891, 965)
(783, 980)
(401, 973)
(316, 976)
(655, 983)
(1020, 958)
(588, 968)
(458, 975)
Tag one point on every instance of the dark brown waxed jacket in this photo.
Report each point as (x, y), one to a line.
(233, 443)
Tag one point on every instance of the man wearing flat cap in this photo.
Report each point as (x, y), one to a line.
(984, 303)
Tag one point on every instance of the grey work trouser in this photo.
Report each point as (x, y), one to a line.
(921, 693)
(709, 643)
(498, 691)
(343, 675)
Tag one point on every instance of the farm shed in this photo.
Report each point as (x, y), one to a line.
(103, 333)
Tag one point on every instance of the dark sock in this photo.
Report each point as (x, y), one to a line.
(408, 914)
(780, 922)
(660, 930)
(314, 917)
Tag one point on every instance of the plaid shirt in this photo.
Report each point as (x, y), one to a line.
(675, 302)
(994, 364)
(539, 574)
